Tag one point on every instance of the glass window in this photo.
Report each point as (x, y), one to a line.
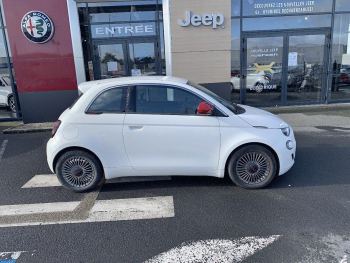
(264, 71)
(142, 59)
(286, 22)
(235, 59)
(3, 56)
(162, 49)
(143, 12)
(342, 5)
(340, 88)
(165, 100)
(110, 101)
(124, 13)
(306, 68)
(235, 7)
(288, 7)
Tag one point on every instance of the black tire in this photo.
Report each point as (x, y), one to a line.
(12, 104)
(252, 167)
(79, 171)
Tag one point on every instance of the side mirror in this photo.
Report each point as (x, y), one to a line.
(205, 109)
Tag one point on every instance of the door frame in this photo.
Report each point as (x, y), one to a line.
(286, 34)
(125, 43)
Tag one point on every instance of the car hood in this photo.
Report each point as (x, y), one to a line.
(260, 118)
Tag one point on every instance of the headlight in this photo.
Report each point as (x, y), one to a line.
(286, 131)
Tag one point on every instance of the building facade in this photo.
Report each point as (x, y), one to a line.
(256, 52)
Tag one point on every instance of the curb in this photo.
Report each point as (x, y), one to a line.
(29, 128)
(308, 108)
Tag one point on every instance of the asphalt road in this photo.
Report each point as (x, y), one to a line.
(308, 209)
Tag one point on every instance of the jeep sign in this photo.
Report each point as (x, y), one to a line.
(212, 19)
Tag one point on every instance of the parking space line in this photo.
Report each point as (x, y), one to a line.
(42, 180)
(50, 180)
(40, 208)
(132, 209)
(3, 148)
(105, 211)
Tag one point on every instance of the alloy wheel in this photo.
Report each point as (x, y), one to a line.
(79, 171)
(253, 167)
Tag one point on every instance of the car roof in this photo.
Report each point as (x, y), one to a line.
(100, 84)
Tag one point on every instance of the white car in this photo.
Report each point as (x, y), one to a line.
(153, 126)
(6, 96)
(255, 82)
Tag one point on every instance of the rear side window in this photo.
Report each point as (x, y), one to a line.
(110, 101)
(154, 99)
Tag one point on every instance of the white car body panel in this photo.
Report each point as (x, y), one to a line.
(5, 91)
(144, 144)
(173, 144)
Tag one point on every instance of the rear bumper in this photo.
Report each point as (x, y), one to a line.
(50, 153)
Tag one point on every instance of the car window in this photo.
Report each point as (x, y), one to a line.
(110, 101)
(229, 105)
(154, 99)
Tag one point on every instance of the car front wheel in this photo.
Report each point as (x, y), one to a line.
(12, 103)
(252, 167)
(79, 171)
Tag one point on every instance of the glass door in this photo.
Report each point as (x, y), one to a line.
(263, 71)
(306, 68)
(126, 58)
(142, 59)
(284, 68)
(111, 61)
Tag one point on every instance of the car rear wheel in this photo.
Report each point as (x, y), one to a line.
(79, 171)
(12, 103)
(252, 167)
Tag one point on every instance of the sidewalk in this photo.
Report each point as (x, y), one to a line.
(315, 118)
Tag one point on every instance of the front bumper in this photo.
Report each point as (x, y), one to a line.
(286, 156)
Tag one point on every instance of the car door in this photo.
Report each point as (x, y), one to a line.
(101, 127)
(163, 134)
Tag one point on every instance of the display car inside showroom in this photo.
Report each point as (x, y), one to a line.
(262, 53)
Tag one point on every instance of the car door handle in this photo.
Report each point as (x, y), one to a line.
(135, 127)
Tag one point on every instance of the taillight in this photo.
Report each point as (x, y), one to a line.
(55, 127)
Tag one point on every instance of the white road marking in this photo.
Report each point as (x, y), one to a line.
(50, 180)
(42, 180)
(344, 259)
(111, 210)
(3, 148)
(132, 209)
(40, 208)
(10, 255)
(214, 250)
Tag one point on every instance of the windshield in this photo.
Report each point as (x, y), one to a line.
(231, 106)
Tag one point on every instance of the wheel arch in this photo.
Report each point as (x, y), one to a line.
(75, 148)
(249, 144)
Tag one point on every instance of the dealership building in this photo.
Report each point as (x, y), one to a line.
(263, 53)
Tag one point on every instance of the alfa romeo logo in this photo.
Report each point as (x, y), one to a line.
(37, 27)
